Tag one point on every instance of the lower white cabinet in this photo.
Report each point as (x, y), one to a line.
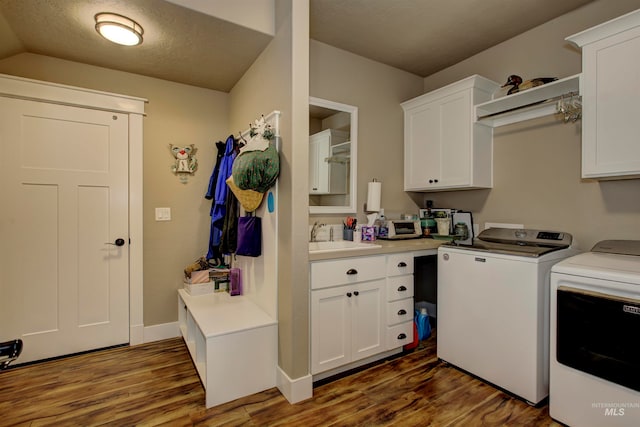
(347, 324)
(361, 307)
(399, 299)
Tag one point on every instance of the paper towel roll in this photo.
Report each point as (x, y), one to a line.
(374, 192)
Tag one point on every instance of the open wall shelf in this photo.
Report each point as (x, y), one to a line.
(529, 104)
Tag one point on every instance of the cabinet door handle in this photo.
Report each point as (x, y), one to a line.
(430, 181)
(352, 271)
(402, 288)
(402, 264)
(402, 312)
(356, 293)
(349, 294)
(435, 180)
(401, 336)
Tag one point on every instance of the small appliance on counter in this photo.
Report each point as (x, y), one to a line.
(402, 229)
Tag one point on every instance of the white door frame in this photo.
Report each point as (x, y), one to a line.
(21, 88)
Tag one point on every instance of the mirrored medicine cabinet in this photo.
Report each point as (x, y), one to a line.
(333, 142)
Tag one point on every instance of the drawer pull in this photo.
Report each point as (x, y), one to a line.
(402, 336)
(356, 293)
(402, 264)
(349, 294)
(352, 271)
(402, 312)
(402, 288)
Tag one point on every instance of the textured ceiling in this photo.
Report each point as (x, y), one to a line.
(426, 36)
(181, 45)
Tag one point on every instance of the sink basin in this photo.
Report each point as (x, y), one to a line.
(339, 245)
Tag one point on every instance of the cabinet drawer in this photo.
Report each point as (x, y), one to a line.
(399, 287)
(400, 264)
(399, 311)
(399, 335)
(329, 273)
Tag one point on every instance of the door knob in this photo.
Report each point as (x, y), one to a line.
(118, 242)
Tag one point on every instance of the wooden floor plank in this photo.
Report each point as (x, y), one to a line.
(156, 385)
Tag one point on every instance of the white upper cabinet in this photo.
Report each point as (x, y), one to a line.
(327, 162)
(444, 149)
(611, 98)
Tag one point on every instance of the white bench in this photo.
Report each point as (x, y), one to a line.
(233, 344)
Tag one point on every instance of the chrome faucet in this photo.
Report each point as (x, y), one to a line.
(314, 230)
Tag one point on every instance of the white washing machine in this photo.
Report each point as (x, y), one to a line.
(595, 337)
(493, 307)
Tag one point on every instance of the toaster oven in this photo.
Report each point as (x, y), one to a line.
(403, 229)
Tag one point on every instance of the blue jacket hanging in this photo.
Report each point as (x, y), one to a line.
(219, 194)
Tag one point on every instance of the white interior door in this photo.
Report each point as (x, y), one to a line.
(64, 287)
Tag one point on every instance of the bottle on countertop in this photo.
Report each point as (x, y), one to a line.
(380, 225)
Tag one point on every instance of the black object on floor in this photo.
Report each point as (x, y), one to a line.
(9, 351)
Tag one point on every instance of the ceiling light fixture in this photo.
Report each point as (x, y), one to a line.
(119, 29)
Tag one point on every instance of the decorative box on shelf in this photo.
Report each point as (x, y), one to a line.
(208, 281)
(201, 276)
(194, 289)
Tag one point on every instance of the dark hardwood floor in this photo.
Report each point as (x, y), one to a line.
(156, 384)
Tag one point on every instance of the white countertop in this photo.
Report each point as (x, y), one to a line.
(387, 247)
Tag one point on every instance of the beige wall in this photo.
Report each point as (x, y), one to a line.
(377, 90)
(278, 80)
(537, 163)
(177, 114)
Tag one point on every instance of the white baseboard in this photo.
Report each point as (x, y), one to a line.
(161, 332)
(136, 334)
(359, 363)
(294, 390)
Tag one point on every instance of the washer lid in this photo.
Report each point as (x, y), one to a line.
(517, 242)
(622, 247)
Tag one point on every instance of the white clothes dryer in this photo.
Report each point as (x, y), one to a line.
(595, 337)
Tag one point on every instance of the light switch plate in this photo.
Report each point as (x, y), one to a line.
(163, 214)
